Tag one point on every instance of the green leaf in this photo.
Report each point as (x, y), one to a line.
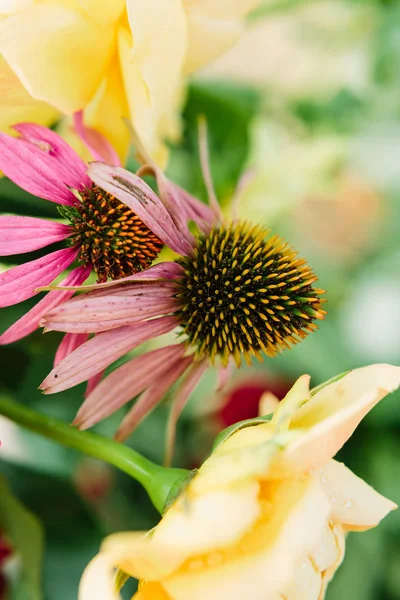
(25, 532)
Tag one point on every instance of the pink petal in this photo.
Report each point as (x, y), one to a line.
(24, 234)
(126, 382)
(141, 199)
(69, 343)
(23, 164)
(195, 210)
(98, 145)
(169, 197)
(57, 154)
(101, 351)
(206, 168)
(30, 321)
(151, 397)
(165, 270)
(94, 314)
(20, 283)
(93, 383)
(185, 391)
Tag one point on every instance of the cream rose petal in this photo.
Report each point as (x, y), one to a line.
(109, 107)
(68, 76)
(306, 583)
(16, 105)
(213, 28)
(355, 504)
(98, 580)
(213, 520)
(327, 421)
(295, 525)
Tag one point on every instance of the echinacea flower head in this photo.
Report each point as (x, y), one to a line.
(102, 234)
(234, 292)
(112, 59)
(266, 515)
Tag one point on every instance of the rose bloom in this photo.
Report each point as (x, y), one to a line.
(111, 59)
(267, 513)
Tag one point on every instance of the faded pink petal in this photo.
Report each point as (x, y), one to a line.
(30, 321)
(169, 197)
(20, 283)
(98, 145)
(151, 397)
(101, 351)
(164, 270)
(195, 210)
(57, 154)
(69, 343)
(25, 167)
(91, 314)
(141, 199)
(185, 391)
(24, 234)
(126, 382)
(223, 374)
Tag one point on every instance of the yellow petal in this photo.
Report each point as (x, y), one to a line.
(151, 591)
(244, 455)
(224, 9)
(306, 583)
(98, 580)
(355, 504)
(17, 106)
(297, 395)
(9, 7)
(264, 561)
(103, 13)
(58, 54)
(107, 110)
(213, 28)
(327, 421)
(328, 573)
(213, 520)
(208, 38)
(268, 403)
(152, 67)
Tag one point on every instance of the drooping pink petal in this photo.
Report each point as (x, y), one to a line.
(22, 163)
(165, 270)
(185, 391)
(101, 351)
(24, 234)
(169, 198)
(30, 321)
(91, 314)
(69, 343)
(98, 145)
(55, 151)
(141, 199)
(126, 382)
(20, 283)
(223, 374)
(151, 397)
(195, 210)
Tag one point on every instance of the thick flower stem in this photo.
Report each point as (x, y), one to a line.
(158, 481)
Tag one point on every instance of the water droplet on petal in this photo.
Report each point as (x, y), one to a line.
(349, 503)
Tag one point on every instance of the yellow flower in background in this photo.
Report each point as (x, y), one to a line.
(113, 59)
(267, 513)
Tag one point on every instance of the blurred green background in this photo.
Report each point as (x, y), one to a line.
(309, 103)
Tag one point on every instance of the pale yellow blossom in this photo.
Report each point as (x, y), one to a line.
(113, 59)
(267, 513)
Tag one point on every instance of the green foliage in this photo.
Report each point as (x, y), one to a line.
(25, 533)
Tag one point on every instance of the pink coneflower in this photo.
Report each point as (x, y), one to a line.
(234, 292)
(103, 235)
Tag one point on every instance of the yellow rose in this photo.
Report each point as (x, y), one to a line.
(114, 59)
(267, 513)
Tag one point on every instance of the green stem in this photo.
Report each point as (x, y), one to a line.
(158, 481)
